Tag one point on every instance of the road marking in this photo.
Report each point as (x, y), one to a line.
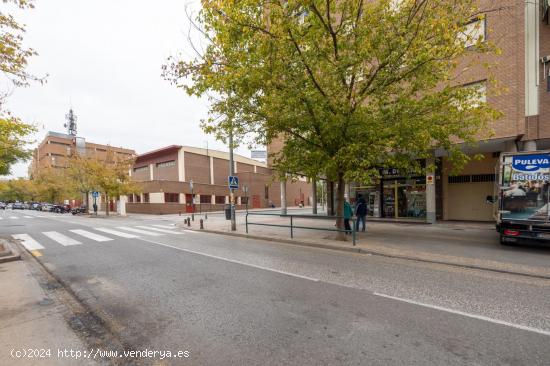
(116, 232)
(90, 235)
(60, 238)
(165, 226)
(138, 231)
(28, 217)
(165, 231)
(233, 261)
(474, 316)
(36, 253)
(14, 217)
(28, 242)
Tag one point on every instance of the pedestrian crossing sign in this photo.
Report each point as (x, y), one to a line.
(233, 182)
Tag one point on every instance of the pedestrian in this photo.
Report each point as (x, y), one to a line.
(348, 213)
(361, 213)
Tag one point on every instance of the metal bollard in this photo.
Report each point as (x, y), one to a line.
(193, 216)
(180, 213)
(206, 216)
(202, 224)
(188, 221)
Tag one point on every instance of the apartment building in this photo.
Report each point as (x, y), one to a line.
(179, 179)
(522, 93)
(56, 148)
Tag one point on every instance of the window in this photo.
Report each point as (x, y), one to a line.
(220, 200)
(138, 198)
(146, 197)
(101, 150)
(266, 192)
(473, 32)
(141, 168)
(130, 198)
(244, 200)
(478, 93)
(166, 164)
(205, 198)
(171, 197)
(460, 179)
(58, 143)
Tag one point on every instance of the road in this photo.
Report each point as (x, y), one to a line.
(233, 301)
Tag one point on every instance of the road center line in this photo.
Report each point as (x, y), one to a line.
(474, 316)
(232, 261)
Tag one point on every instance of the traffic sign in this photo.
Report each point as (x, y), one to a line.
(95, 194)
(233, 182)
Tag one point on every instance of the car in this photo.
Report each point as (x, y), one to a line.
(45, 207)
(60, 208)
(26, 206)
(9, 206)
(35, 206)
(17, 206)
(2, 206)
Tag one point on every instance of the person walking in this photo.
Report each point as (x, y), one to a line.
(361, 213)
(348, 213)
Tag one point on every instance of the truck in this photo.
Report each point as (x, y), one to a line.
(522, 197)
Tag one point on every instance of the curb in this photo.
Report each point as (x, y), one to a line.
(373, 252)
(10, 254)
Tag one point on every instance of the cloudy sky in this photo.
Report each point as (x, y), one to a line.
(104, 59)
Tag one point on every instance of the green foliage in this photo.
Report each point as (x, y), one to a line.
(13, 63)
(351, 86)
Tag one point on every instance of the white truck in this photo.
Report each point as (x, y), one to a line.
(523, 197)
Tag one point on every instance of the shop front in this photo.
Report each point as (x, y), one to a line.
(395, 196)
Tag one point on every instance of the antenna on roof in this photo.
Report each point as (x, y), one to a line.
(71, 122)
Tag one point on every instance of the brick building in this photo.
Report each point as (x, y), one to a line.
(165, 175)
(520, 30)
(56, 148)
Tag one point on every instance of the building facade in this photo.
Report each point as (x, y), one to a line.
(183, 179)
(521, 93)
(56, 149)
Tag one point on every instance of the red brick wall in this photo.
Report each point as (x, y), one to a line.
(221, 171)
(197, 168)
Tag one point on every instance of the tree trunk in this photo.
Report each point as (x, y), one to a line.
(106, 204)
(340, 206)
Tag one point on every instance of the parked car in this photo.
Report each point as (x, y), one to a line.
(79, 210)
(36, 206)
(2, 206)
(17, 206)
(60, 208)
(46, 207)
(9, 206)
(26, 206)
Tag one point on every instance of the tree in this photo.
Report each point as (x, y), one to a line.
(21, 190)
(109, 176)
(53, 185)
(351, 86)
(13, 63)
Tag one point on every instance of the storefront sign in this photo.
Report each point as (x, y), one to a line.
(533, 167)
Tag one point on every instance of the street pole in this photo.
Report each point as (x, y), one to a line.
(231, 172)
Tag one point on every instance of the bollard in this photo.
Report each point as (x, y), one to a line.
(193, 216)
(180, 213)
(188, 222)
(202, 224)
(206, 216)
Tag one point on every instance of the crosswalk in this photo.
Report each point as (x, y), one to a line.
(73, 237)
(16, 217)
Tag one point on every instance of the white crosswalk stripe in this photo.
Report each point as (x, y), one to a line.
(28, 242)
(60, 238)
(116, 232)
(165, 226)
(14, 217)
(90, 235)
(28, 217)
(165, 231)
(127, 228)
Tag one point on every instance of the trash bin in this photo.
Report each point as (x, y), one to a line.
(228, 211)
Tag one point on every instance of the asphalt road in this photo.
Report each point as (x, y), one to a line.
(231, 301)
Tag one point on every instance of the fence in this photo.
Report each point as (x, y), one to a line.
(292, 219)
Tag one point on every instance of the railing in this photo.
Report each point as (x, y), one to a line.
(292, 226)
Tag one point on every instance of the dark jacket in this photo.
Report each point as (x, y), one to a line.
(361, 207)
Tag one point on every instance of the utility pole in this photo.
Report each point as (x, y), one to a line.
(231, 172)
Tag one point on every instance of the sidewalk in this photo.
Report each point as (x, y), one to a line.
(472, 245)
(32, 318)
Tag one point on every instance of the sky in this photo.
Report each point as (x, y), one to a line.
(103, 58)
